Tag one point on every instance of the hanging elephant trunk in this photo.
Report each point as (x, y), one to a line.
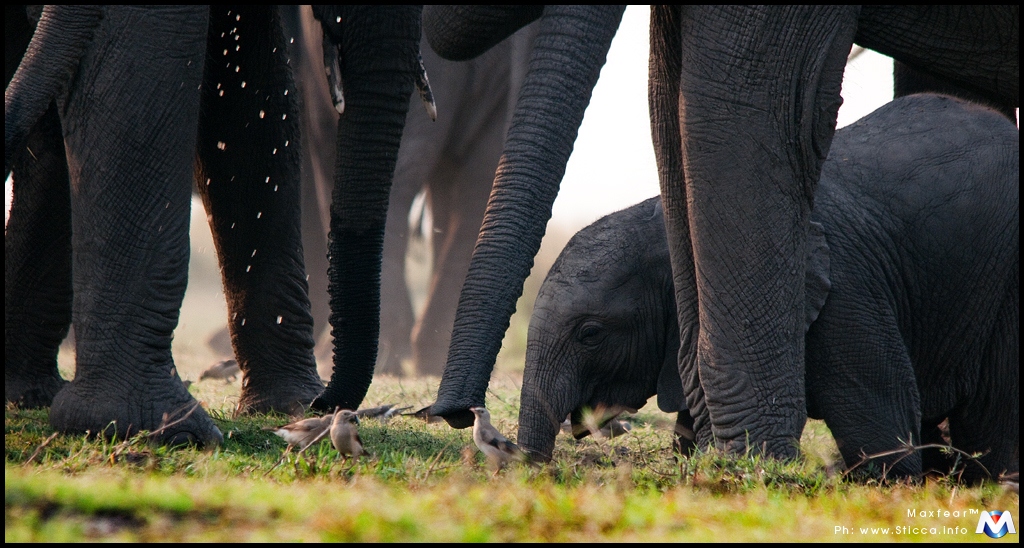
(378, 70)
(61, 38)
(569, 51)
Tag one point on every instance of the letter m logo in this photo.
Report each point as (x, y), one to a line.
(996, 524)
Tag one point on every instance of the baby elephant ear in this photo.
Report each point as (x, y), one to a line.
(817, 283)
(670, 384)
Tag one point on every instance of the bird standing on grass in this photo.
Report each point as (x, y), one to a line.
(345, 433)
(498, 449)
(303, 433)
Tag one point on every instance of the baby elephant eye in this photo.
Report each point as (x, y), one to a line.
(590, 332)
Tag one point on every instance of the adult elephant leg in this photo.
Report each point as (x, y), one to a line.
(129, 126)
(37, 267)
(379, 47)
(757, 120)
(570, 48)
(248, 178)
(37, 248)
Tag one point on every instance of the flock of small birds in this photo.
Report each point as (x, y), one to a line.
(342, 426)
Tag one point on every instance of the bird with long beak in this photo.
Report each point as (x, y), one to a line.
(345, 433)
(498, 449)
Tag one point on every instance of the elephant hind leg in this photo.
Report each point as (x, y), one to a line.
(860, 378)
(989, 421)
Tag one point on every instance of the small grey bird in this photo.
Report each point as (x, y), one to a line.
(304, 432)
(383, 413)
(224, 369)
(498, 449)
(345, 433)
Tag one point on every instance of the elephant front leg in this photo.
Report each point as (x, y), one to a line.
(757, 116)
(129, 129)
(37, 268)
(249, 181)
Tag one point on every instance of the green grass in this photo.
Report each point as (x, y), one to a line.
(429, 483)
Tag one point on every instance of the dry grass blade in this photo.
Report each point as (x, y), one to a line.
(40, 448)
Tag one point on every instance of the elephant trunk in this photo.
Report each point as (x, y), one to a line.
(380, 49)
(460, 33)
(571, 46)
(552, 388)
(53, 55)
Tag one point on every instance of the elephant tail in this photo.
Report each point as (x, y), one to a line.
(53, 55)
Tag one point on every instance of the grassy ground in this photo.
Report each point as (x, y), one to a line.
(427, 482)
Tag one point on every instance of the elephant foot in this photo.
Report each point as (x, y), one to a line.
(291, 395)
(123, 408)
(33, 391)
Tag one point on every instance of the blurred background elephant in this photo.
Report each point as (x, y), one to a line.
(912, 298)
(448, 162)
(162, 97)
(762, 84)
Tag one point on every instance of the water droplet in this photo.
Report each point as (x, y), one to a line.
(292, 41)
(218, 86)
(279, 320)
(274, 152)
(221, 94)
(221, 145)
(248, 268)
(237, 68)
(225, 52)
(232, 178)
(284, 116)
(232, 225)
(243, 321)
(267, 181)
(237, 37)
(262, 114)
(274, 50)
(286, 143)
(275, 188)
(234, 316)
(222, 34)
(285, 92)
(260, 214)
(237, 17)
(243, 83)
(339, 19)
(253, 253)
(167, 205)
(238, 48)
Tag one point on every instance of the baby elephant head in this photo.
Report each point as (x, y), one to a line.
(603, 329)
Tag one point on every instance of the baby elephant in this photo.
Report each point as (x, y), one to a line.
(912, 298)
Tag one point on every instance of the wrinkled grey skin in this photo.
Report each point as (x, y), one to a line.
(912, 297)
(150, 99)
(452, 158)
(743, 101)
